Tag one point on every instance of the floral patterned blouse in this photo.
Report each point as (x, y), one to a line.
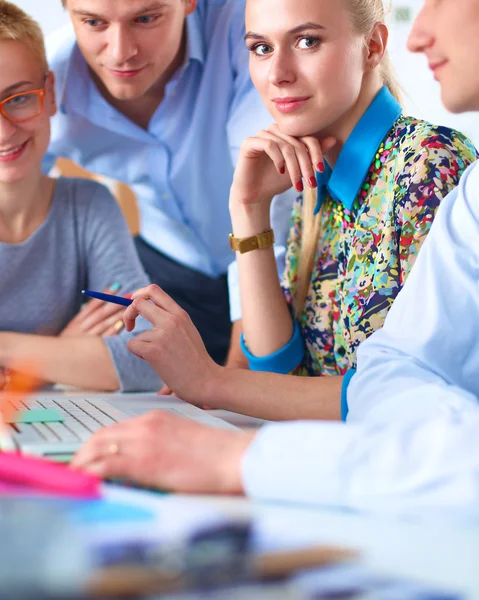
(366, 253)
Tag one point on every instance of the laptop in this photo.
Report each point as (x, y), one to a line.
(56, 425)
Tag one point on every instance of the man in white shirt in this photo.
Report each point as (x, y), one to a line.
(412, 436)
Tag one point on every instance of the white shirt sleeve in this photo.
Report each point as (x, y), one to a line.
(412, 437)
(404, 466)
(427, 353)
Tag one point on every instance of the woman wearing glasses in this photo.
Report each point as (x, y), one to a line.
(57, 237)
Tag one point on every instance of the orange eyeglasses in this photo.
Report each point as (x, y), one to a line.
(23, 106)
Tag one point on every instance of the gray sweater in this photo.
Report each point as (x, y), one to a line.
(84, 243)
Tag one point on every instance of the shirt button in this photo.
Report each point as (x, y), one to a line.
(165, 196)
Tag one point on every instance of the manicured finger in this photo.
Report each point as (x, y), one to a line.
(306, 173)
(296, 158)
(315, 156)
(263, 143)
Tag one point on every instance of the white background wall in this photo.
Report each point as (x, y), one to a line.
(421, 92)
(49, 18)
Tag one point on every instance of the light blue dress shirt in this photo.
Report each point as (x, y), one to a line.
(411, 441)
(181, 168)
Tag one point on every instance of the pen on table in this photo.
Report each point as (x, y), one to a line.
(129, 580)
(122, 300)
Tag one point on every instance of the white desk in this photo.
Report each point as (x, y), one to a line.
(446, 557)
(440, 553)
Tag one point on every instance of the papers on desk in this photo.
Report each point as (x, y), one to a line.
(65, 542)
(134, 514)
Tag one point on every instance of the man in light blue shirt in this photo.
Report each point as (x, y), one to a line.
(157, 94)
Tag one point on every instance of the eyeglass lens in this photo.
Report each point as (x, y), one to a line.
(22, 107)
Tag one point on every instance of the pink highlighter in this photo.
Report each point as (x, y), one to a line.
(29, 475)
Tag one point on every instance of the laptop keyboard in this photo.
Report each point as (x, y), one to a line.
(82, 417)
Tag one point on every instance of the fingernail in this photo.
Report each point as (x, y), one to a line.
(299, 186)
(115, 287)
(320, 167)
(282, 170)
(312, 182)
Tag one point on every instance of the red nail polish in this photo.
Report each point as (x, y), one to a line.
(299, 186)
(320, 167)
(312, 182)
(282, 170)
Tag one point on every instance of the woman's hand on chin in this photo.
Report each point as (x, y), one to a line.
(173, 347)
(161, 450)
(271, 162)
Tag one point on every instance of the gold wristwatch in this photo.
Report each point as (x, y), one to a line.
(255, 242)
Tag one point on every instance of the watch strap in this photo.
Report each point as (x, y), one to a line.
(254, 242)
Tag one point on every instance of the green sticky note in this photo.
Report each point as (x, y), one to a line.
(61, 458)
(41, 415)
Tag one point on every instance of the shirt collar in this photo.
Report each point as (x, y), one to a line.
(344, 181)
(195, 47)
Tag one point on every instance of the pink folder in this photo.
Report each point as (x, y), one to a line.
(27, 475)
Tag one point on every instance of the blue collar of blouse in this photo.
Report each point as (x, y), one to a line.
(344, 181)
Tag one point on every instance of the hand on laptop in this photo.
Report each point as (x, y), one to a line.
(173, 347)
(161, 450)
(165, 391)
(97, 318)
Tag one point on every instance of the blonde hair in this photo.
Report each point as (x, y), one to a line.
(365, 14)
(17, 26)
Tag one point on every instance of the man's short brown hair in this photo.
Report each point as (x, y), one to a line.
(16, 25)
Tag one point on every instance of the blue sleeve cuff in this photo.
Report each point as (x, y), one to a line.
(284, 361)
(344, 393)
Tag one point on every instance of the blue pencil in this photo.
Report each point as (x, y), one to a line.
(108, 297)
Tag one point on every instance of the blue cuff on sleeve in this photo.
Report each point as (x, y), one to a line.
(284, 361)
(344, 393)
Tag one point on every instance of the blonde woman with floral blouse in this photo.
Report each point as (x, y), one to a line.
(369, 181)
